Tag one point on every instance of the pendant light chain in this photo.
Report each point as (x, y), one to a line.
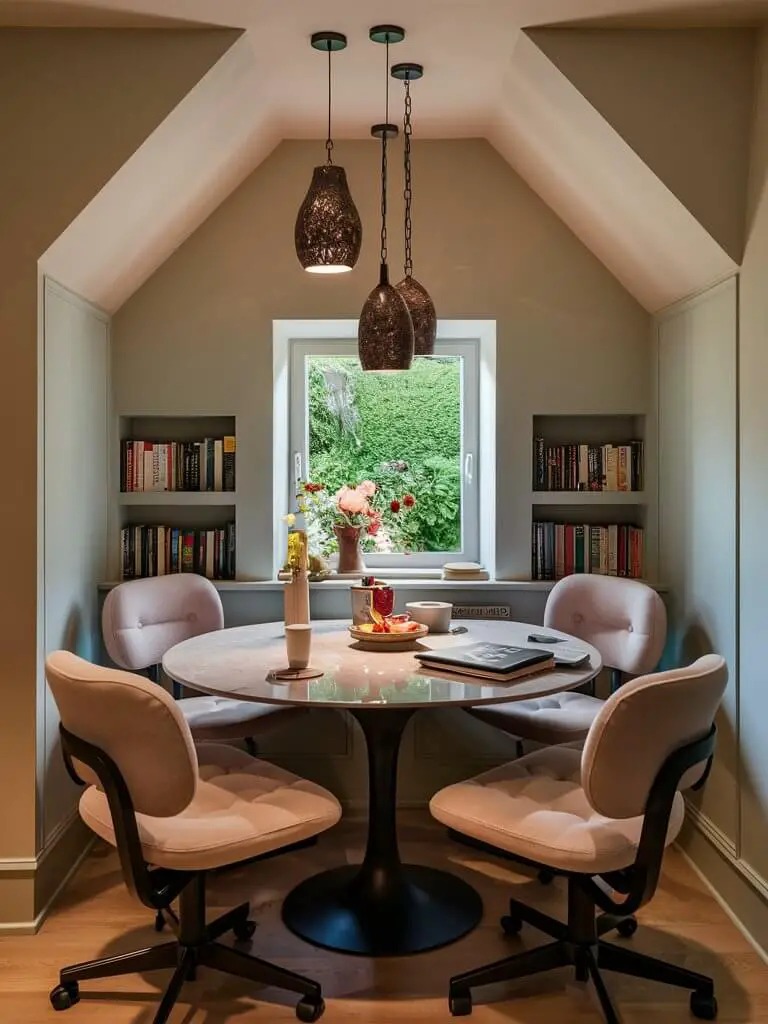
(329, 140)
(407, 192)
(384, 169)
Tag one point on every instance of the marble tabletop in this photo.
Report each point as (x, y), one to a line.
(236, 663)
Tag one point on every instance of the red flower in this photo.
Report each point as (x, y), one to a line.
(313, 488)
(409, 501)
(373, 526)
(395, 505)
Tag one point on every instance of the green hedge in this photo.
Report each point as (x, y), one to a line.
(411, 418)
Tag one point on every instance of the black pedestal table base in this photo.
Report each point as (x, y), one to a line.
(382, 907)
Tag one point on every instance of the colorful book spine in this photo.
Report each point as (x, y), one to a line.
(587, 467)
(561, 549)
(207, 465)
(157, 550)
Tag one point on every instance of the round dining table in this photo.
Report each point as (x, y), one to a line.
(381, 907)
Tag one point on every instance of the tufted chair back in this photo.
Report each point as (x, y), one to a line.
(135, 723)
(639, 727)
(624, 619)
(142, 619)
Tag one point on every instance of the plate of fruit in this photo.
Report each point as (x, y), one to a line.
(388, 629)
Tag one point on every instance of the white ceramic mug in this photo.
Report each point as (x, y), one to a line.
(434, 614)
(298, 642)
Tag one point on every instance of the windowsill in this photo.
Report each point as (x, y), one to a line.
(410, 583)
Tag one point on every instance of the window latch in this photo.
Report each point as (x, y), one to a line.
(469, 466)
(297, 469)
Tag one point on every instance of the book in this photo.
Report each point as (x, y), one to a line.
(207, 465)
(157, 550)
(499, 662)
(587, 467)
(560, 549)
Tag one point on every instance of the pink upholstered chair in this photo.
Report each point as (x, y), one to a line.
(624, 619)
(142, 619)
(173, 819)
(602, 816)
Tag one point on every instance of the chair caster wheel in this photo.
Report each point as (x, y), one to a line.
(159, 922)
(244, 932)
(460, 1003)
(627, 928)
(546, 876)
(704, 1005)
(309, 1009)
(65, 996)
(511, 925)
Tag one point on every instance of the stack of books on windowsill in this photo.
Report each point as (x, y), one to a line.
(464, 571)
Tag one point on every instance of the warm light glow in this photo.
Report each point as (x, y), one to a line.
(327, 268)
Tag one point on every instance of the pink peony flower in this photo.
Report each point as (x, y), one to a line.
(368, 488)
(352, 500)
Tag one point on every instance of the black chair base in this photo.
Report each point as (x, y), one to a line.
(577, 944)
(196, 946)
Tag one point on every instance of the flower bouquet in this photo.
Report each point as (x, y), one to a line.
(352, 516)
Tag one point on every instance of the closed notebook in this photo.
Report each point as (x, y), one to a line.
(499, 662)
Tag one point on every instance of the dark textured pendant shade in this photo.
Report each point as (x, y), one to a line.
(423, 315)
(328, 232)
(385, 331)
(417, 298)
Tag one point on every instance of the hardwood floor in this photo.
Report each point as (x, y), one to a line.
(96, 917)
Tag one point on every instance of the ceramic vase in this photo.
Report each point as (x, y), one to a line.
(350, 553)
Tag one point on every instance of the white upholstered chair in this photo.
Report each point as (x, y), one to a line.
(126, 739)
(142, 619)
(624, 619)
(603, 817)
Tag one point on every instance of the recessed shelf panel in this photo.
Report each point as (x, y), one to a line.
(564, 498)
(176, 498)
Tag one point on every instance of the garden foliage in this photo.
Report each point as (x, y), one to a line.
(401, 430)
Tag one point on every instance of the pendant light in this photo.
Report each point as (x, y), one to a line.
(417, 298)
(385, 331)
(328, 231)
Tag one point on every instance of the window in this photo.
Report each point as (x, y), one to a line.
(415, 435)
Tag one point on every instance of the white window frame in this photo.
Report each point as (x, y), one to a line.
(293, 340)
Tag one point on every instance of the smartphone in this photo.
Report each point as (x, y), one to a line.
(541, 638)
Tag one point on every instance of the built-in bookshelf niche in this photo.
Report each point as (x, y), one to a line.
(593, 456)
(589, 508)
(176, 503)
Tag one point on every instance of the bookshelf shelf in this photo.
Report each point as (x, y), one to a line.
(564, 498)
(171, 499)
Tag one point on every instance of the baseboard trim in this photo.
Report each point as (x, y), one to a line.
(734, 884)
(712, 831)
(29, 886)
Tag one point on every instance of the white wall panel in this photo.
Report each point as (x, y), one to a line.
(76, 482)
(698, 509)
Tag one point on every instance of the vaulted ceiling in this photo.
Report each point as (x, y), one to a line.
(627, 134)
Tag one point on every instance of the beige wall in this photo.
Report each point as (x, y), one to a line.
(197, 337)
(75, 105)
(682, 99)
(753, 384)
